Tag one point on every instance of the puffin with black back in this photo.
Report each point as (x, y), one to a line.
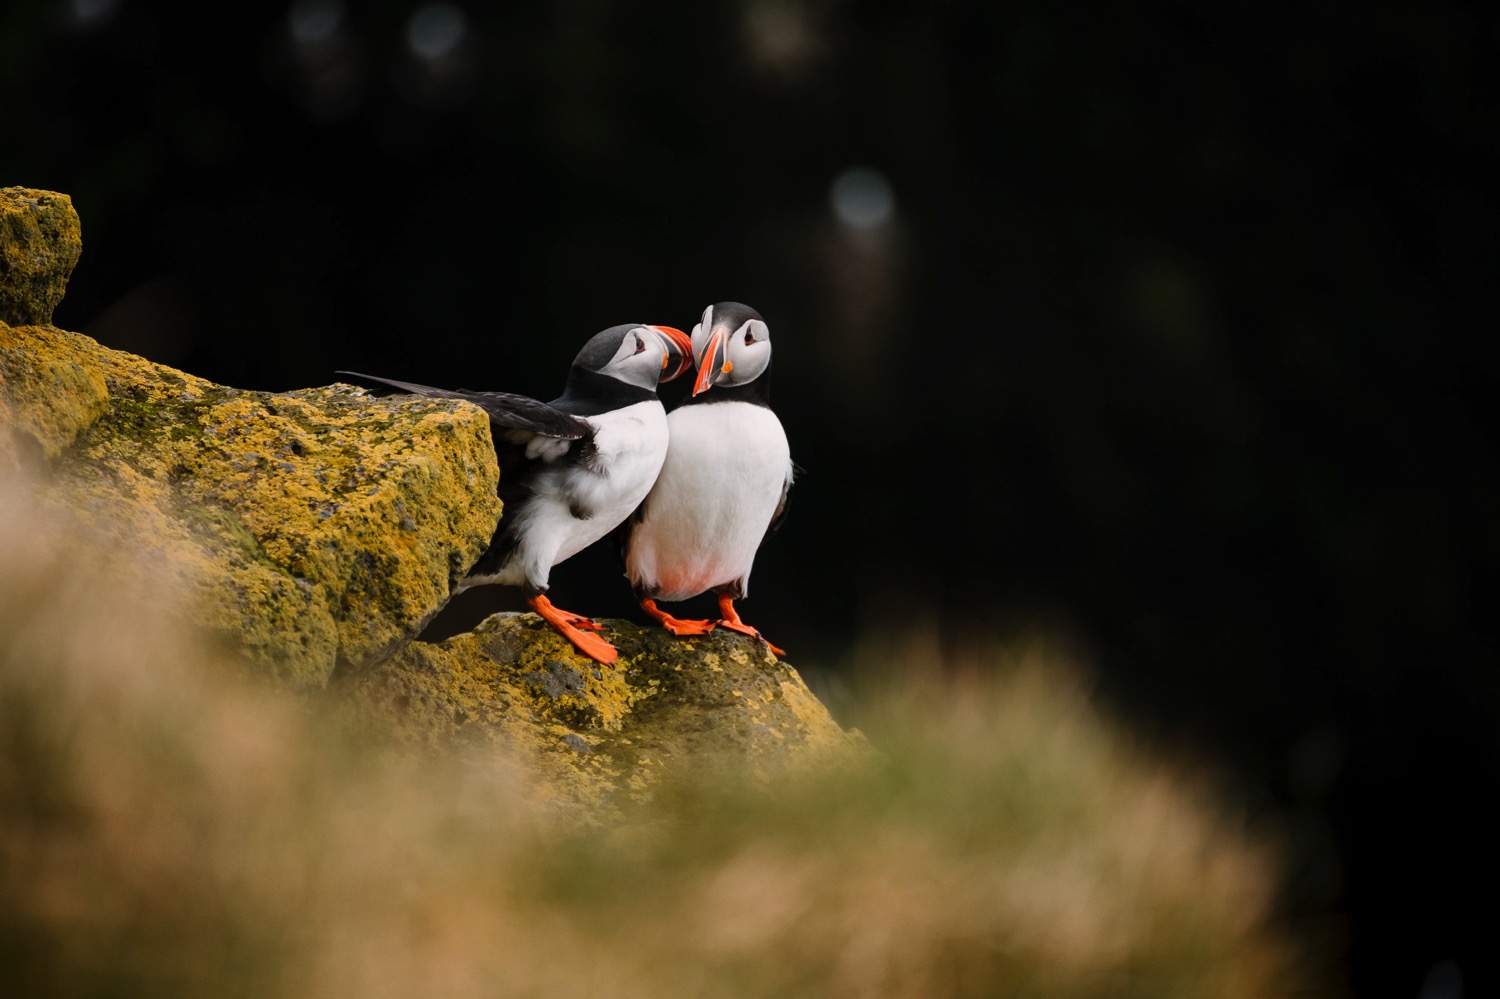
(571, 470)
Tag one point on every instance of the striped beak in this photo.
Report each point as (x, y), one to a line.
(679, 352)
(713, 362)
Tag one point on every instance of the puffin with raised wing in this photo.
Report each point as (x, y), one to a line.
(571, 470)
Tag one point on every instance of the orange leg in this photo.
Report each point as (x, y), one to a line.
(676, 626)
(568, 624)
(730, 619)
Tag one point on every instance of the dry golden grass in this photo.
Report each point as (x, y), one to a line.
(169, 827)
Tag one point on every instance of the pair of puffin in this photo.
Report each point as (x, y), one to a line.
(688, 496)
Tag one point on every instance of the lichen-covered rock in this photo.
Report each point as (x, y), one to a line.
(315, 529)
(39, 246)
(51, 389)
(597, 739)
(319, 530)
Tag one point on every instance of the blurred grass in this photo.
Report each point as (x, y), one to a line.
(170, 826)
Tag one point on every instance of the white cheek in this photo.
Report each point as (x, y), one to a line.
(747, 358)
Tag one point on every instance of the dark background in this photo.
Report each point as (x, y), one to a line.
(1174, 340)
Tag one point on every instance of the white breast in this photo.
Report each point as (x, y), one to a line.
(727, 467)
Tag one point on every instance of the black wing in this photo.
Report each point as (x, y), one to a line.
(779, 516)
(619, 538)
(527, 434)
(506, 410)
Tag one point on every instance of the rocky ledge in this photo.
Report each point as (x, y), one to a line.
(317, 531)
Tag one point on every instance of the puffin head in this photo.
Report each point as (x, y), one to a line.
(731, 346)
(637, 354)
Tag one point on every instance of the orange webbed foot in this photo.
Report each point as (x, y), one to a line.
(731, 620)
(570, 626)
(677, 626)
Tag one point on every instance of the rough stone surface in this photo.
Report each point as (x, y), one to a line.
(316, 529)
(319, 530)
(40, 242)
(603, 739)
(51, 389)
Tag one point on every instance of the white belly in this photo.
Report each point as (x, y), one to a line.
(727, 467)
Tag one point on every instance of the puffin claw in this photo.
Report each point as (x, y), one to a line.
(745, 629)
(593, 646)
(676, 625)
(569, 624)
(731, 620)
(684, 629)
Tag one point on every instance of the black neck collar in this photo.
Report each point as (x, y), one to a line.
(589, 393)
(756, 392)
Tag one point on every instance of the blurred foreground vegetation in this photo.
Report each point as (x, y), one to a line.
(169, 826)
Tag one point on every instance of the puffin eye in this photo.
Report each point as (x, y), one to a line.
(640, 344)
(749, 337)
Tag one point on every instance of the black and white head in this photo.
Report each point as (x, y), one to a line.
(731, 346)
(637, 354)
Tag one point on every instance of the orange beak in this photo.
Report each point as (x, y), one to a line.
(679, 355)
(713, 362)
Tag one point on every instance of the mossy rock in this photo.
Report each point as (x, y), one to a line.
(40, 242)
(319, 530)
(315, 529)
(51, 389)
(596, 740)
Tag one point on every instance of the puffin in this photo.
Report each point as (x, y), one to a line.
(573, 469)
(724, 485)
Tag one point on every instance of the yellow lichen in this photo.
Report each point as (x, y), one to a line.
(668, 711)
(40, 241)
(318, 528)
(50, 390)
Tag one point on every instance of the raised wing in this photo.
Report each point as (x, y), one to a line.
(507, 411)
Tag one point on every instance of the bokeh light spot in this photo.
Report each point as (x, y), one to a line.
(435, 30)
(862, 199)
(313, 22)
(1444, 980)
(90, 14)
